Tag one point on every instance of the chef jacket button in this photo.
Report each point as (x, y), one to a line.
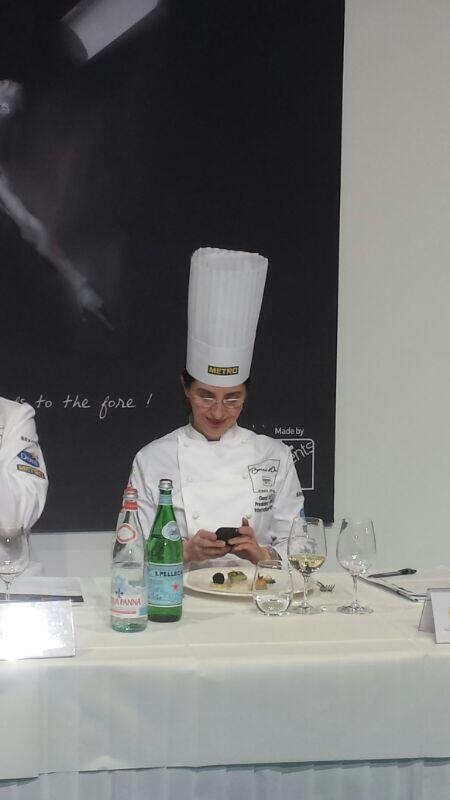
(195, 515)
(245, 475)
(248, 515)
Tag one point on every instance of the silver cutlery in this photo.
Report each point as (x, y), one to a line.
(325, 587)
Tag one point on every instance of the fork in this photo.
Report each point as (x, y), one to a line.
(326, 587)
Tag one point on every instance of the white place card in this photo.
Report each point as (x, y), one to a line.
(36, 630)
(426, 623)
(36, 588)
(435, 616)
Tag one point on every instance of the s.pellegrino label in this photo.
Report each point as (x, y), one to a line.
(165, 585)
(165, 561)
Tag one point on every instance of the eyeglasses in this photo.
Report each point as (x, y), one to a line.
(230, 403)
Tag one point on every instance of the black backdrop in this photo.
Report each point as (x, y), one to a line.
(214, 124)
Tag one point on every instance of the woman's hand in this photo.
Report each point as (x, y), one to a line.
(203, 546)
(246, 546)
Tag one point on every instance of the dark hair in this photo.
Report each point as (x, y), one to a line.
(188, 379)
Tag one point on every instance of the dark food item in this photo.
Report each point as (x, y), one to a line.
(218, 577)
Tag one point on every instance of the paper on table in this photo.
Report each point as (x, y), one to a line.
(41, 588)
(440, 603)
(414, 587)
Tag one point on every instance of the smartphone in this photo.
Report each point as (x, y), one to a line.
(225, 534)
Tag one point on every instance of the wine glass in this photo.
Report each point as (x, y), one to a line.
(307, 551)
(272, 587)
(14, 555)
(355, 552)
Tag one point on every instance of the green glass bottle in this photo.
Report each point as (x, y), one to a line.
(165, 561)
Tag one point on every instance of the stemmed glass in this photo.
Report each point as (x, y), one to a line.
(307, 551)
(14, 555)
(355, 552)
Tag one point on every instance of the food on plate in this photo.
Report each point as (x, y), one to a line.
(220, 581)
(235, 580)
(236, 576)
(263, 581)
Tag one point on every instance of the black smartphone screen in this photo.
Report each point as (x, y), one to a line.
(225, 534)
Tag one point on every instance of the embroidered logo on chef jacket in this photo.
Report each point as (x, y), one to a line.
(30, 441)
(29, 458)
(264, 502)
(30, 470)
(263, 475)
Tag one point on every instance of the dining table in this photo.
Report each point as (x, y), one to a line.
(231, 703)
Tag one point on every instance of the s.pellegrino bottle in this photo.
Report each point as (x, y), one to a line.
(128, 584)
(165, 561)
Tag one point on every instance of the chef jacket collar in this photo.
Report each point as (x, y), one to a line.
(233, 434)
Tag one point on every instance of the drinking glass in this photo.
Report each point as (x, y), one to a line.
(14, 555)
(272, 587)
(307, 551)
(355, 552)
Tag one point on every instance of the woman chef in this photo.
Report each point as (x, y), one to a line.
(223, 475)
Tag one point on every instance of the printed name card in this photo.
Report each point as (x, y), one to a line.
(436, 615)
(36, 630)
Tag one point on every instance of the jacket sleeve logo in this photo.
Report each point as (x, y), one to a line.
(31, 470)
(29, 458)
(263, 475)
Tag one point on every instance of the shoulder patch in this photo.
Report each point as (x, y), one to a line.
(30, 470)
(29, 458)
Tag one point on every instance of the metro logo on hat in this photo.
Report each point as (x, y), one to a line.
(226, 289)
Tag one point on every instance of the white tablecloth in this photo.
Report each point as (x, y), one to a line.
(374, 780)
(228, 686)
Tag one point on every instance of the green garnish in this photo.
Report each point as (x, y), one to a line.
(236, 575)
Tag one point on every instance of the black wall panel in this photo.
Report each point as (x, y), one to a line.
(214, 124)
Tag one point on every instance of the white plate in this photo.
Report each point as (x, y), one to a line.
(200, 580)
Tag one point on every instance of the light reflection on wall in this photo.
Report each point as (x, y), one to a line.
(98, 23)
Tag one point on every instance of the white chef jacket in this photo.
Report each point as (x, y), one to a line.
(23, 476)
(215, 484)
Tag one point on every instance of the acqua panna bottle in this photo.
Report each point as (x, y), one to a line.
(128, 585)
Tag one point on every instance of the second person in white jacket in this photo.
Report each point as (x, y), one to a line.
(23, 475)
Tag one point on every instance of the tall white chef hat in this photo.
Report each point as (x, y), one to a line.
(226, 288)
